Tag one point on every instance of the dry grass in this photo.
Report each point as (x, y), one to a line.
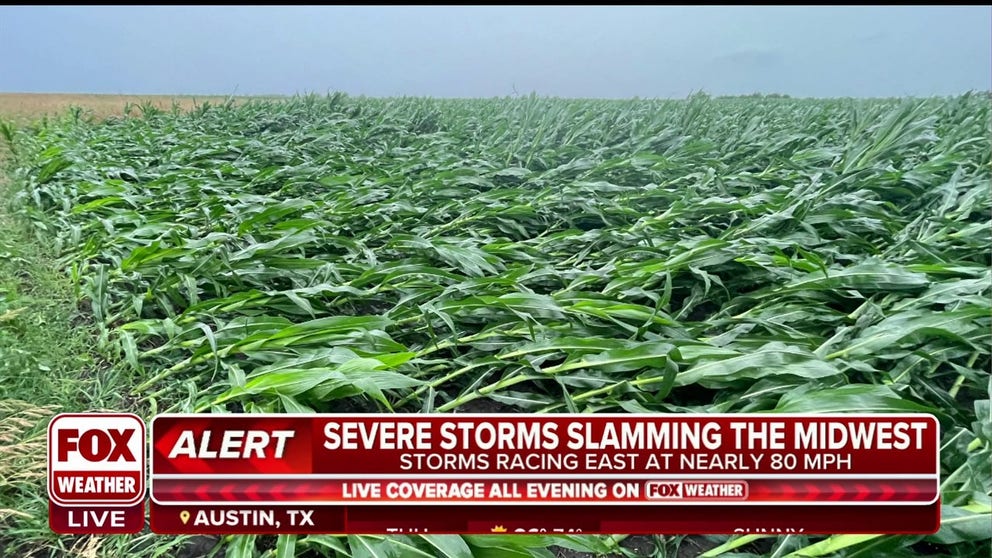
(22, 446)
(21, 107)
(87, 547)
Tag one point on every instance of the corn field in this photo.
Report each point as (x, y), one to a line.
(342, 254)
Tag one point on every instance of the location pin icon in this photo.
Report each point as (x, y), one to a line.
(184, 516)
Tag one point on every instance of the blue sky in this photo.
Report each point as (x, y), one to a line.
(613, 52)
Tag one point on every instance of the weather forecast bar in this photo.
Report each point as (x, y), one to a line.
(634, 520)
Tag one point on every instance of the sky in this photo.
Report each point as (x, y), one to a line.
(473, 51)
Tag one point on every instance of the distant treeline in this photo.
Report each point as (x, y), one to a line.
(756, 96)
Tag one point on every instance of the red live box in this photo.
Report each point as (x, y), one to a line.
(96, 473)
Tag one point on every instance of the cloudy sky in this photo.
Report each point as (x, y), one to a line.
(614, 52)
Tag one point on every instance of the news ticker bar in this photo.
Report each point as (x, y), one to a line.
(545, 490)
(627, 473)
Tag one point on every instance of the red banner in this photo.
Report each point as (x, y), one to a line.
(475, 473)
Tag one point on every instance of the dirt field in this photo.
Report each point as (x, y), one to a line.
(20, 107)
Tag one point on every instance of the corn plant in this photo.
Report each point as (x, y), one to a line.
(543, 255)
